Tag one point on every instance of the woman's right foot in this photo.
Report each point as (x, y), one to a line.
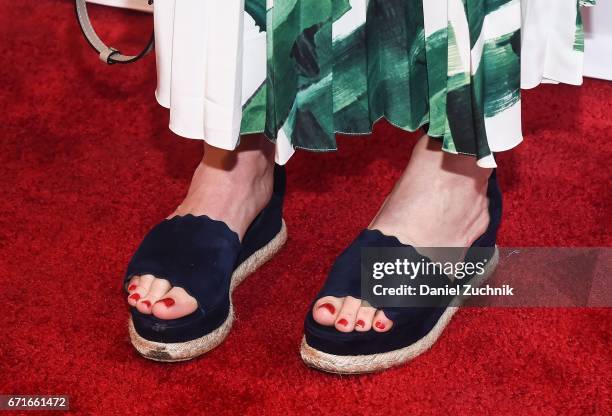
(228, 186)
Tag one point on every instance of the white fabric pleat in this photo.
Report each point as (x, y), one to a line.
(208, 65)
(547, 47)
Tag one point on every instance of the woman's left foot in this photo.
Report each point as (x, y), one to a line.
(440, 201)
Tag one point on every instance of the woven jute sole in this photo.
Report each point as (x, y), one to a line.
(359, 364)
(183, 351)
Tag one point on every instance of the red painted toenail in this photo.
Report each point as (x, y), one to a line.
(146, 303)
(380, 325)
(167, 301)
(360, 323)
(132, 287)
(135, 296)
(343, 322)
(329, 307)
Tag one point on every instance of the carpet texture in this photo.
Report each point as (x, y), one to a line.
(88, 166)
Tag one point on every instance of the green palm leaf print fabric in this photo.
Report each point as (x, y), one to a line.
(338, 66)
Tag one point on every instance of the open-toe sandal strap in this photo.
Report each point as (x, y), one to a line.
(197, 254)
(344, 278)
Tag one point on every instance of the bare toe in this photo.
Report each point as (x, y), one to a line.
(365, 317)
(174, 304)
(326, 310)
(381, 322)
(345, 322)
(139, 292)
(133, 284)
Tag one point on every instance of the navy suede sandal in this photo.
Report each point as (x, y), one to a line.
(414, 329)
(207, 259)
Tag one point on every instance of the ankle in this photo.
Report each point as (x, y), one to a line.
(252, 162)
(440, 200)
(254, 153)
(232, 186)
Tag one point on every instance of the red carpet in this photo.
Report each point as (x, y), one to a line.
(88, 165)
